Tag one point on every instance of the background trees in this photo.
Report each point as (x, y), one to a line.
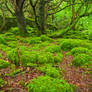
(62, 13)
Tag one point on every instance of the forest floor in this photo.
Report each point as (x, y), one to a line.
(73, 75)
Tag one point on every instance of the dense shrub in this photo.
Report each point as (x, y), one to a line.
(80, 50)
(13, 56)
(35, 40)
(45, 57)
(81, 59)
(48, 84)
(29, 57)
(68, 44)
(50, 71)
(5, 48)
(0, 55)
(25, 40)
(14, 30)
(45, 38)
(90, 35)
(23, 54)
(1, 82)
(4, 64)
(31, 65)
(13, 44)
(10, 36)
(2, 40)
(44, 44)
(58, 57)
(53, 48)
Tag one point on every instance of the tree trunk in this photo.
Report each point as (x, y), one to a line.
(42, 16)
(46, 16)
(73, 13)
(21, 22)
(3, 24)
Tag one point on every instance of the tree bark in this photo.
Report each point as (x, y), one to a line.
(73, 13)
(42, 16)
(3, 24)
(46, 16)
(21, 21)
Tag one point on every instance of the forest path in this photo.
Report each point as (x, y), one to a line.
(75, 75)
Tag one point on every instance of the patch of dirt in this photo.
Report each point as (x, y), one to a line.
(75, 75)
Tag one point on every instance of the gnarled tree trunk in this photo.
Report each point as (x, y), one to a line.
(21, 21)
(42, 16)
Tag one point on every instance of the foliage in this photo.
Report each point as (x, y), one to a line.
(58, 57)
(1, 82)
(50, 71)
(45, 38)
(35, 40)
(31, 65)
(45, 57)
(4, 64)
(0, 55)
(44, 44)
(53, 48)
(10, 37)
(2, 40)
(81, 59)
(36, 36)
(13, 74)
(13, 44)
(29, 57)
(80, 50)
(13, 56)
(14, 30)
(46, 84)
(68, 44)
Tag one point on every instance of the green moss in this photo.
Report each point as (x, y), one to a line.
(12, 74)
(14, 30)
(13, 44)
(50, 71)
(35, 40)
(25, 40)
(29, 57)
(53, 48)
(2, 46)
(6, 49)
(13, 56)
(80, 50)
(2, 40)
(31, 65)
(81, 59)
(68, 44)
(1, 82)
(0, 55)
(45, 57)
(4, 64)
(58, 57)
(45, 38)
(44, 44)
(10, 36)
(48, 84)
